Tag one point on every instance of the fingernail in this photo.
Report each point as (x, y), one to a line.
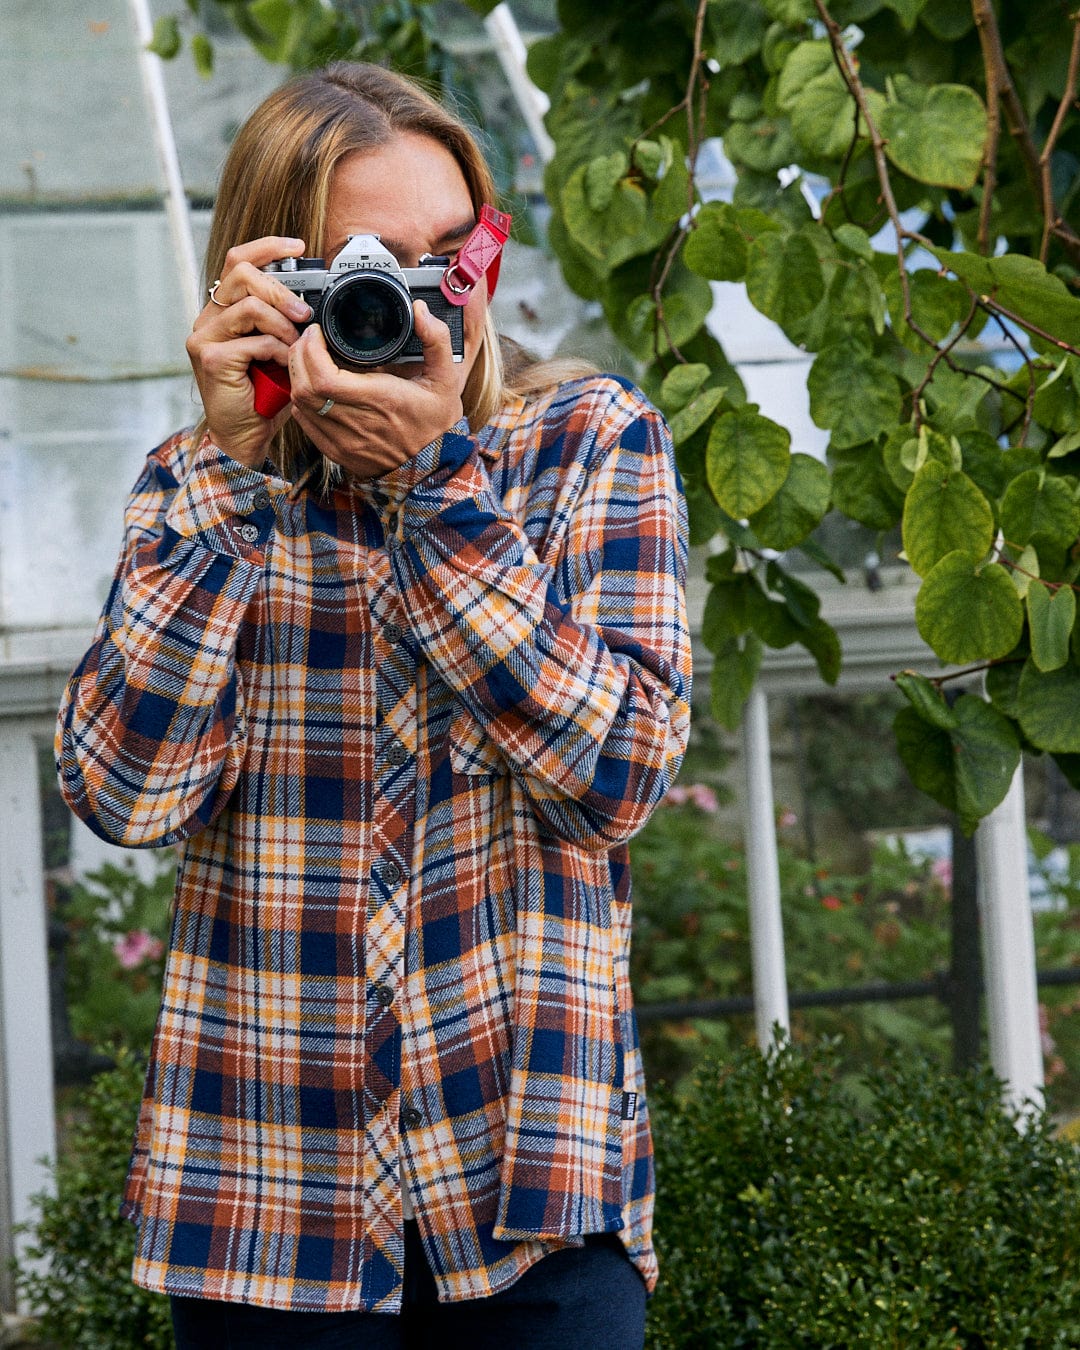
(301, 310)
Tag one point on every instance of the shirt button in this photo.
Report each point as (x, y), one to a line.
(248, 533)
(384, 995)
(411, 1117)
(393, 632)
(391, 523)
(397, 754)
(391, 873)
(260, 500)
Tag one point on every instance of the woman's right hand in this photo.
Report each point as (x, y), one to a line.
(252, 317)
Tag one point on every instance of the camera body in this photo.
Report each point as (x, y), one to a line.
(363, 301)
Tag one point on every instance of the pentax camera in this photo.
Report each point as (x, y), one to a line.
(363, 301)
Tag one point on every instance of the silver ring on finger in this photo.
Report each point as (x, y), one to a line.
(213, 297)
(325, 408)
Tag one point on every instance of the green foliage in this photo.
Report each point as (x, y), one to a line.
(692, 941)
(83, 1294)
(795, 1209)
(118, 929)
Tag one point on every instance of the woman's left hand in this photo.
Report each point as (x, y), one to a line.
(377, 420)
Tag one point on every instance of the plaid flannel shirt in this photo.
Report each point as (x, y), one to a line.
(402, 733)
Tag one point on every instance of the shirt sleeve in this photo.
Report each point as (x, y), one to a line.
(576, 666)
(151, 730)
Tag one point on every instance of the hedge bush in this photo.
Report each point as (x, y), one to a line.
(793, 1211)
(911, 1211)
(83, 1293)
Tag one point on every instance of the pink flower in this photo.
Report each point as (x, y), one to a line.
(136, 947)
(787, 818)
(941, 871)
(831, 902)
(700, 794)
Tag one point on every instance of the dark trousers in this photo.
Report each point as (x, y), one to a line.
(579, 1298)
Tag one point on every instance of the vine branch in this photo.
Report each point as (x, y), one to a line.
(1002, 89)
(1052, 223)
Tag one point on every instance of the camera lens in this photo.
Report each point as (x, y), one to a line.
(367, 318)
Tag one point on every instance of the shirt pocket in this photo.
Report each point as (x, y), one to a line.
(472, 752)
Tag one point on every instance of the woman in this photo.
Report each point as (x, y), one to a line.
(401, 669)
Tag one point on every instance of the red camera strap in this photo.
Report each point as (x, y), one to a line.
(479, 256)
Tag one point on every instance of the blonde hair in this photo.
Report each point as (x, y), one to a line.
(277, 179)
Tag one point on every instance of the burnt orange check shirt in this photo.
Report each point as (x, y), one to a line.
(401, 733)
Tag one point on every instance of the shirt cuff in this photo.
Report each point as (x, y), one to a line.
(439, 458)
(223, 503)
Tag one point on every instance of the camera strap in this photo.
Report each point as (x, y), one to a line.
(479, 256)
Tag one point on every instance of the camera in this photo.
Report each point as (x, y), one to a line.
(363, 301)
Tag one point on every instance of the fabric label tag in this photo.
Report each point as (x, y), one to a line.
(629, 1105)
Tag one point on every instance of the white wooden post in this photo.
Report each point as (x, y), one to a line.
(176, 202)
(763, 874)
(27, 1123)
(1012, 997)
(510, 49)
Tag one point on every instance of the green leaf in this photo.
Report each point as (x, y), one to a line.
(747, 460)
(861, 489)
(202, 51)
(813, 550)
(1002, 686)
(926, 752)
(724, 616)
(717, 247)
(608, 219)
(601, 178)
(967, 612)
(1038, 506)
(1051, 615)
(986, 756)
(935, 134)
(821, 641)
(735, 668)
(967, 768)
(1025, 571)
(1048, 707)
(854, 240)
(794, 13)
(693, 417)
(944, 511)
(947, 20)
(852, 394)
(765, 145)
(812, 92)
(165, 41)
(783, 277)
(771, 620)
(798, 506)
(927, 700)
(736, 29)
(681, 383)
